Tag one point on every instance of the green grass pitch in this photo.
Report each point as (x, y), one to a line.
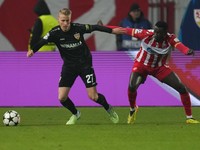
(156, 128)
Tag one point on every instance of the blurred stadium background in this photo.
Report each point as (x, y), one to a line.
(17, 19)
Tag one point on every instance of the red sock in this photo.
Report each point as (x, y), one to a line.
(185, 98)
(132, 98)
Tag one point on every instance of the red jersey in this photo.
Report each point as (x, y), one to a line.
(152, 53)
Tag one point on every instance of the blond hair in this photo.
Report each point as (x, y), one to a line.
(65, 11)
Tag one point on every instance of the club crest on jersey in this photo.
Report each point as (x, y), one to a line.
(197, 17)
(77, 36)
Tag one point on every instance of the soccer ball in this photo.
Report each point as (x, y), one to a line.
(11, 118)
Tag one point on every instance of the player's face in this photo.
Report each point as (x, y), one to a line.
(64, 21)
(159, 34)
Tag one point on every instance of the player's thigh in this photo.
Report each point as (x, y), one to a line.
(162, 73)
(138, 75)
(88, 77)
(67, 77)
(174, 81)
(136, 79)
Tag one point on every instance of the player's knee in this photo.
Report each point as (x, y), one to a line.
(132, 88)
(62, 98)
(181, 89)
(93, 96)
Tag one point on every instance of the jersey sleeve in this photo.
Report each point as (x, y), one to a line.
(101, 28)
(42, 42)
(87, 28)
(138, 33)
(174, 41)
(134, 32)
(36, 32)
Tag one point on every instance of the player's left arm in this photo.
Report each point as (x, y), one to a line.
(128, 31)
(134, 32)
(90, 28)
(174, 41)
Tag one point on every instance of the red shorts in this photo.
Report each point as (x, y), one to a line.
(158, 72)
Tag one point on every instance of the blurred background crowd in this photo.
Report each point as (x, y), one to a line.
(24, 22)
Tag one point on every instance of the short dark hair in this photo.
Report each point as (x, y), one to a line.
(162, 24)
(134, 7)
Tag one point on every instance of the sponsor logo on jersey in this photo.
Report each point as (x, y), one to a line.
(77, 36)
(71, 45)
(197, 17)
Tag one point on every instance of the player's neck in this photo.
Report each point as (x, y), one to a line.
(65, 29)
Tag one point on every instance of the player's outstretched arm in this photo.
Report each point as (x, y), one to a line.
(119, 30)
(184, 49)
(115, 29)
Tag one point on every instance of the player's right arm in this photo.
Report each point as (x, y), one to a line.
(37, 46)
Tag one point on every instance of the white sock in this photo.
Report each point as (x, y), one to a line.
(132, 109)
(189, 117)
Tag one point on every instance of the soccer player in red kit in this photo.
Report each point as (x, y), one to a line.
(152, 59)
